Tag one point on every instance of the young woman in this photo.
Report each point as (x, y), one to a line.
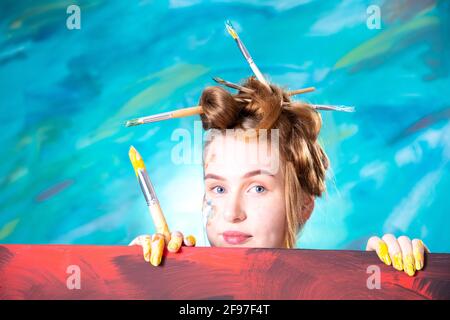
(263, 169)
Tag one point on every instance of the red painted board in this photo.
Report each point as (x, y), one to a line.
(119, 272)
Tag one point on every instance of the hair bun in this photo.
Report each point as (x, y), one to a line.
(309, 119)
(266, 103)
(221, 110)
(259, 109)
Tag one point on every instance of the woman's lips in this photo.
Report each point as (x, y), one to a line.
(235, 237)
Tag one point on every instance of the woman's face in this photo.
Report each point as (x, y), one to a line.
(244, 194)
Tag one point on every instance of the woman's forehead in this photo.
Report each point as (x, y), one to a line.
(234, 155)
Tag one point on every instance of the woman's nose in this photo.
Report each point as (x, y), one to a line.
(234, 210)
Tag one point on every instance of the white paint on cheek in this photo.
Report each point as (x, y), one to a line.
(208, 213)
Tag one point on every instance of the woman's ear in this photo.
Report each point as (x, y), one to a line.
(307, 207)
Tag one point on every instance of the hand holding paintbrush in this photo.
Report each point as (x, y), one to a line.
(153, 246)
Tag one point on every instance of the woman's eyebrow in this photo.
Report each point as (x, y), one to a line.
(258, 172)
(213, 176)
(245, 176)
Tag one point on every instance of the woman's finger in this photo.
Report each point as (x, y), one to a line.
(380, 247)
(418, 251)
(407, 252)
(189, 241)
(395, 251)
(145, 242)
(176, 240)
(157, 249)
(146, 247)
(138, 240)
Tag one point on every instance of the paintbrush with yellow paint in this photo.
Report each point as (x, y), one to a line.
(245, 52)
(149, 193)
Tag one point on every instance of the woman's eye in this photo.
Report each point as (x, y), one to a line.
(218, 189)
(258, 189)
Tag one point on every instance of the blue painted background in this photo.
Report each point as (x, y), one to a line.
(65, 176)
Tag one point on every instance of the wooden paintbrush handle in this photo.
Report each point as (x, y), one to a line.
(160, 221)
(187, 112)
(300, 91)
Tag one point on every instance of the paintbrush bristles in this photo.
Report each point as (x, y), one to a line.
(133, 122)
(232, 85)
(245, 53)
(333, 108)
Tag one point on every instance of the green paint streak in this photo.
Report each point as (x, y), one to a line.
(8, 228)
(169, 81)
(385, 41)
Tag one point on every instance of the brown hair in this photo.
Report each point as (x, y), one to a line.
(303, 161)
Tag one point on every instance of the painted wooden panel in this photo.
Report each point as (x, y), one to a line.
(119, 272)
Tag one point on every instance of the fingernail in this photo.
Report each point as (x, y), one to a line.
(172, 247)
(175, 243)
(418, 257)
(146, 248)
(409, 265)
(190, 240)
(398, 261)
(419, 264)
(157, 250)
(383, 253)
